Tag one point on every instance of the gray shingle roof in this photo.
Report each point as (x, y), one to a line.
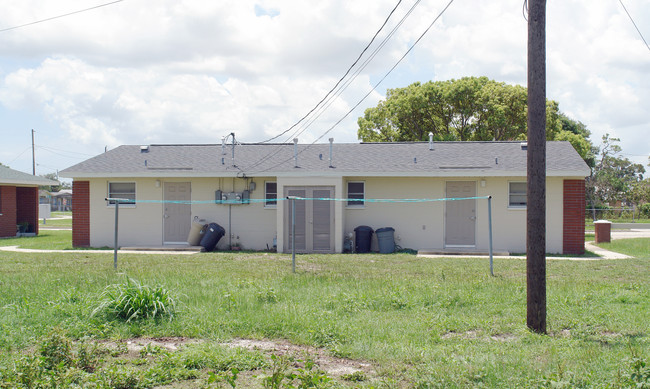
(349, 159)
(14, 177)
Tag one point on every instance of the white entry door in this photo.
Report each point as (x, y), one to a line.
(314, 220)
(177, 218)
(460, 215)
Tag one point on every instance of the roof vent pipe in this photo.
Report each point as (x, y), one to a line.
(331, 147)
(431, 141)
(223, 145)
(295, 152)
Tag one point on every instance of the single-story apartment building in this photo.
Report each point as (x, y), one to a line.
(243, 188)
(19, 201)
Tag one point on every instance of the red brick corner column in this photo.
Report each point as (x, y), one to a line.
(80, 213)
(7, 211)
(574, 217)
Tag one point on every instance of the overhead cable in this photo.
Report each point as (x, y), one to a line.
(338, 89)
(341, 79)
(60, 16)
(635, 26)
(369, 92)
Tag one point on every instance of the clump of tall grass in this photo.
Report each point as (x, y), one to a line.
(132, 301)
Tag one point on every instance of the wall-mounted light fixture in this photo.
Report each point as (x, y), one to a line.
(157, 183)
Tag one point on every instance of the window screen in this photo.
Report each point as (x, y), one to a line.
(517, 195)
(122, 190)
(356, 194)
(271, 194)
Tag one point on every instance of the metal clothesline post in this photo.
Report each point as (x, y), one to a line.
(293, 232)
(489, 199)
(117, 209)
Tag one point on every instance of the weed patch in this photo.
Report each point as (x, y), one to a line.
(135, 301)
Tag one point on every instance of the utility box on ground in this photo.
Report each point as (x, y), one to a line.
(603, 229)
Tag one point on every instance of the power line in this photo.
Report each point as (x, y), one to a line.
(369, 92)
(341, 79)
(19, 155)
(361, 68)
(54, 150)
(60, 16)
(637, 28)
(330, 98)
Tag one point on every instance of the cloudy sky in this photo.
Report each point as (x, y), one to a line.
(189, 71)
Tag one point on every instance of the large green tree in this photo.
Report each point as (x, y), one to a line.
(467, 109)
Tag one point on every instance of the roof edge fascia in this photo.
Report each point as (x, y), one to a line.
(437, 173)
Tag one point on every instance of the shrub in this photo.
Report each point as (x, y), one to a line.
(645, 210)
(135, 301)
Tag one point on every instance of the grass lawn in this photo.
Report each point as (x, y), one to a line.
(57, 220)
(412, 322)
(46, 239)
(636, 247)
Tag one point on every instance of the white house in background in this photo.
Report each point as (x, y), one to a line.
(169, 185)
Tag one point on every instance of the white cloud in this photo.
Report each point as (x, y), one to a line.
(193, 71)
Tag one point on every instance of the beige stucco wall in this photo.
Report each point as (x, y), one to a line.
(422, 225)
(254, 226)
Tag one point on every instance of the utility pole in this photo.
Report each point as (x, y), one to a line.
(536, 177)
(33, 155)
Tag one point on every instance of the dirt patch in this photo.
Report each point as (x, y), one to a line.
(333, 366)
(132, 347)
(462, 335)
(503, 337)
(472, 334)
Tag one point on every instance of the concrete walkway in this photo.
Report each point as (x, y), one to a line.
(590, 246)
(604, 254)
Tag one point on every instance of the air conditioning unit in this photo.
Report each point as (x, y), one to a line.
(232, 198)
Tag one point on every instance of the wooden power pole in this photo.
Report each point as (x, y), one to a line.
(536, 177)
(33, 155)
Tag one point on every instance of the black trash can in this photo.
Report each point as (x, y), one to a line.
(213, 233)
(363, 237)
(386, 240)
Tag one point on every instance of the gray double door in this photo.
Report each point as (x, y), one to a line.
(460, 215)
(314, 220)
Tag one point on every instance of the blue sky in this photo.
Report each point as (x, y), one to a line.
(139, 72)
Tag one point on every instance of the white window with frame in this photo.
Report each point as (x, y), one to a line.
(517, 195)
(356, 194)
(122, 190)
(270, 194)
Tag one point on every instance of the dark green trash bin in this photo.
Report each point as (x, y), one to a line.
(362, 239)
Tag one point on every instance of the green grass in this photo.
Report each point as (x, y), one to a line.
(56, 221)
(45, 240)
(419, 322)
(636, 247)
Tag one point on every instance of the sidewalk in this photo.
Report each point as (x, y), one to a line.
(604, 254)
(589, 246)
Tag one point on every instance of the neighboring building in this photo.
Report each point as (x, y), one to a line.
(169, 185)
(61, 201)
(19, 201)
